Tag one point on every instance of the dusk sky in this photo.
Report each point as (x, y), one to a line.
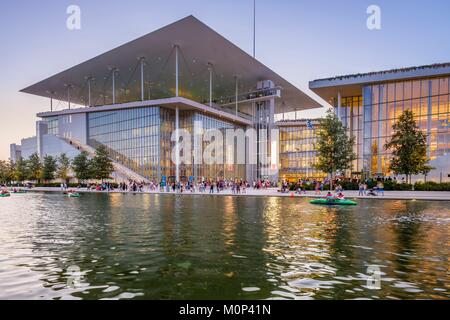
(301, 40)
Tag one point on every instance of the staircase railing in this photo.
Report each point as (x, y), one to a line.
(118, 168)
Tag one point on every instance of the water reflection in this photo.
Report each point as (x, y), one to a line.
(198, 247)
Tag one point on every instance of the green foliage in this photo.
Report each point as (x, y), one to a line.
(6, 171)
(81, 166)
(21, 172)
(409, 147)
(102, 165)
(432, 186)
(48, 168)
(34, 167)
(63, 167)
(334, 147)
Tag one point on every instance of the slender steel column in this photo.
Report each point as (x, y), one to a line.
(176, 72)
(177, 145)
(237, 95)
(89, 92)
(51, 104)
(142, 78)
(68, 95)
(210, 83)
(114, 85)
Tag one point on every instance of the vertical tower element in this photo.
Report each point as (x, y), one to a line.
(264, 123)
(41, 130)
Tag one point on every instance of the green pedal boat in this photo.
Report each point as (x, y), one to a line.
(334, 202)
(5, 195)
(74, 195)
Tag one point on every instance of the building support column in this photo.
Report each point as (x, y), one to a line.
(177, 145)
(177, 72)
(142, 78)
(68, 95)
(89, 92)
(237, 95)
(114, 85)
(210, 83)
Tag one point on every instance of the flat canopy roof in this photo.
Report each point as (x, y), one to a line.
(199, 46)
(351, 85)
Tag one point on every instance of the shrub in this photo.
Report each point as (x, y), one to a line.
(432, 186)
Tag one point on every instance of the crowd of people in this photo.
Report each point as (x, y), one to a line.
(218, 186)
(318, 186)
(235, 187)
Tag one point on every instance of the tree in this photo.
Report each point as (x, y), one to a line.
(81, 166)
(409, 147)
(21, 172)
(102, 165)
(63, 168)
(34, 165)
(334, 146)
(48, 168)
(6, 171)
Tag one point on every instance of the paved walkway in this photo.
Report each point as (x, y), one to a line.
(389, 195)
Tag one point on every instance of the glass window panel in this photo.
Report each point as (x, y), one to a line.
(416, 89)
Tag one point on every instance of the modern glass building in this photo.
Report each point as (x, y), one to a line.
(132, 98)
(370, 104)
(298, 155)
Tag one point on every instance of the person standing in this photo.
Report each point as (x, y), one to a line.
(361, 190)
(380, 188)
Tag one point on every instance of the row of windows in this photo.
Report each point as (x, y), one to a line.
(370, 117)
(141, 140)
(406, 90)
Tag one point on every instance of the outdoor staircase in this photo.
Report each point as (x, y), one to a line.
(121, 171)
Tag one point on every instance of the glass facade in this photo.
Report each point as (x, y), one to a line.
(132, 138)
(352, 118)
(53, 125)
(140, 139)
(297, 152)
(371, 117)
(209, 171)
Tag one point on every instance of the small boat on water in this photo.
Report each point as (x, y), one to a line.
(5, 195)
(334, 202)
(73, 194)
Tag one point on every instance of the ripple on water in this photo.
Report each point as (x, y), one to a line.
(164, 247)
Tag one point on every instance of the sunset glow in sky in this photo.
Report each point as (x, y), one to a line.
(299, 39)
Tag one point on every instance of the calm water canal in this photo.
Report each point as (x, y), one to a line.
(201, 247)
